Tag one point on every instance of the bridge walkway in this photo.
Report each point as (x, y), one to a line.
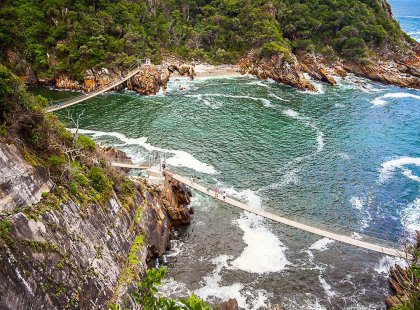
(289, 222)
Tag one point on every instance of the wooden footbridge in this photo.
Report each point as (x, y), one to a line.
(279, 219)
(126, 75)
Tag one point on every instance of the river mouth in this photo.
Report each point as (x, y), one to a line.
(345, 159)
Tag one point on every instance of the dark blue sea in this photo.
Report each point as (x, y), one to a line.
(407, 12)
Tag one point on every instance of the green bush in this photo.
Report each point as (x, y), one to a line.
(81, 179)
(74, 189)
(56, 161)
(99, 180)
(86, 143)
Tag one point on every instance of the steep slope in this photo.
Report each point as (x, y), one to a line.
(46, 40)
(74, 232)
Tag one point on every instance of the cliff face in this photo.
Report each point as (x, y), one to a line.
(58, 254)
(20, 183)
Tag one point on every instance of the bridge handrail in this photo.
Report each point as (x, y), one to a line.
(116, 80)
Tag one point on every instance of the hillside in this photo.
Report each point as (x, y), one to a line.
(44, 39)
(74, 231)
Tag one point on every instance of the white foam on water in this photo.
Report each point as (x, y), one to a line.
(245, 297)
(264, 252)
(258, 83)
(359, 83)
(179, 158)
(319, 86)
(321, 244)
(212, 104)
(303, 302)
(356, 203)
(170, 287)
(290, 177)
(266, 102)
(308, 122)
(410, 217)
(359, 203)
(356, 236)
(389, 167)
(277, 97)
(379, 101)
(326, 287)
(344, 155)
(291, 113)
(212, 287)
(387, 262)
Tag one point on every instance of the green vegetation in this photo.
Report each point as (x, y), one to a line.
(146, 295)
(411, 286)
(57, 36)
(72, 164)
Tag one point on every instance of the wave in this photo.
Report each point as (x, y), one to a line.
(410, 217)
(388, 168)
(320, 135)
(326, 287)
(264, 252)
(409, 16)
(277, 97)
(320, 89)
(387, 262)
(360, 83)
(258, 83)
(266, 102)
(212, 287)
(379, 101)
(359, 204)
(179, 158)
(321, 244)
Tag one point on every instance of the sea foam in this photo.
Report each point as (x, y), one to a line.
(178, 158)
(380, 101)
(264, 252)
(321, 244)
(389, 167)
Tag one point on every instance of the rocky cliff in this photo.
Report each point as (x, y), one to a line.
(57, 253)
(289, 70)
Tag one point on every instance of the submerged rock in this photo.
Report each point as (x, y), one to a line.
(231, 304)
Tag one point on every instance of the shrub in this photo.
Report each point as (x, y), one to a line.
(86, 143)
(56, 161)
(100, 181)
(81, 179)
(274, 48)
(74, 189)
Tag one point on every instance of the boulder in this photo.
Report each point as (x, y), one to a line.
(280, 68)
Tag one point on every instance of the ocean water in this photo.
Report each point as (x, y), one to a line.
(346, 159)
(407, 13)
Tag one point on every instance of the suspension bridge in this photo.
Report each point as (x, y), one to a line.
(276, 218)
(126, 75)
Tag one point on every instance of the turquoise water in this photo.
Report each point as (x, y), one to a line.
(346, 159)
(407, 13)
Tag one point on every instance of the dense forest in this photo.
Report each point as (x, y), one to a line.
(73, 35)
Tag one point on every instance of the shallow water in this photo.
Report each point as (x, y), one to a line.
(345, 159)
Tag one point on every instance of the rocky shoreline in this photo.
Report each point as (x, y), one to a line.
(292, 70)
